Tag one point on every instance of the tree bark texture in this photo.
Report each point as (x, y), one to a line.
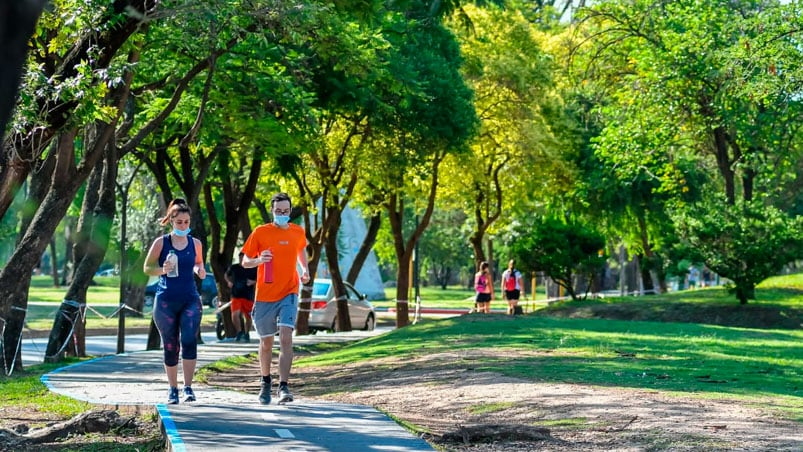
(365, 248)
(92, 240)
(343, 318)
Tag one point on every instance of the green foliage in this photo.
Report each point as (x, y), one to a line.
(698, 81)
(560, 249)
(746, 242)
(443, 249)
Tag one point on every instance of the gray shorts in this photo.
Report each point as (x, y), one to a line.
(269, 316)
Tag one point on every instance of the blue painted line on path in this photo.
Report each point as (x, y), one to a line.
(171, 431)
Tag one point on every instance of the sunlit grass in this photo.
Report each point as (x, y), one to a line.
(26, 389)
(105, 291)
(712, 361)
(102, 304)
(487, 408)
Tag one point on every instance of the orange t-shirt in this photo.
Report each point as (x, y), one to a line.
(285, 244)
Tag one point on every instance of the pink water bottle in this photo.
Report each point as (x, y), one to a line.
(267, 270)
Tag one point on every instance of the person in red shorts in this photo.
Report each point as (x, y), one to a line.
(278, 250)
(241, 281)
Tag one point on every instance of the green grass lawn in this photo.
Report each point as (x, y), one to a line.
(106, 290)
(25, 389)
(102, 301)
(760, 366)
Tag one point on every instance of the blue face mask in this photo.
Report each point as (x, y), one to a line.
(281, 220)
(180, 233)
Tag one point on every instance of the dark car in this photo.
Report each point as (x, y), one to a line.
(208, 291)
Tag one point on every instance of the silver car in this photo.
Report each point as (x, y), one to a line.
(323, 312)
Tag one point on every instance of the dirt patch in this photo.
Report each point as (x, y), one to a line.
(464, 410)
(24, 429)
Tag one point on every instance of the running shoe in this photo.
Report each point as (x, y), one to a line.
(264, 392)
(189, 396)
(284, 394)
(172, 395)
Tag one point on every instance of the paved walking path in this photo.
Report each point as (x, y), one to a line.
(230, 420)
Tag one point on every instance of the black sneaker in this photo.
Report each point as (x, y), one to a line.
(240, 337)
(189, 396)
(284, 394)
(172, 396)
(264, 392)
(247, 338)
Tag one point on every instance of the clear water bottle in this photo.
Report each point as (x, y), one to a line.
(172, 257)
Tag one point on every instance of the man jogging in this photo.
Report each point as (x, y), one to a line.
(277, 250)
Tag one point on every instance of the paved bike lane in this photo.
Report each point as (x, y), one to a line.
(231, 420)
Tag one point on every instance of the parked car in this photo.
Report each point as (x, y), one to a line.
(107, 272)
(208, 291)
(323, 312)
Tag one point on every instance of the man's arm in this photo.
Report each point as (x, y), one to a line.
(251, 262)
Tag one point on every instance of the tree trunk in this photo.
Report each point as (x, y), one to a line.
(66, 266)
(92, 240)
(724, 163)
(54, 269)
(236, 202)
(476, 246)
(332, 259)
(745, 291)
(652, 266)
(317, 230)
(39, 185)
(646, 274)
(403, 291)
(365, 248)
(15, 277)
(67, 317)
(404, 249)
(17, 22)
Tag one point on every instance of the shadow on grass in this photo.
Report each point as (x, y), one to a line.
(647, 355)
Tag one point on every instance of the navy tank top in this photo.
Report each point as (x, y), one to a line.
(184, 283)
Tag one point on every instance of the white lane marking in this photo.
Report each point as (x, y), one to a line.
(283, 433)
(270, 417)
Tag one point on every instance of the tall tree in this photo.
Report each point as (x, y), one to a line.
(705, 75)
(511, 78)
(437, 120)
(69, 69)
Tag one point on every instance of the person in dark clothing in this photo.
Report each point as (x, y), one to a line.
(241, 281)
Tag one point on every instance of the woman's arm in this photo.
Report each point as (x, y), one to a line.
(151, 266)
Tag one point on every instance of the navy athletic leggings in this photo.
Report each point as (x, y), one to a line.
(178, 319)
